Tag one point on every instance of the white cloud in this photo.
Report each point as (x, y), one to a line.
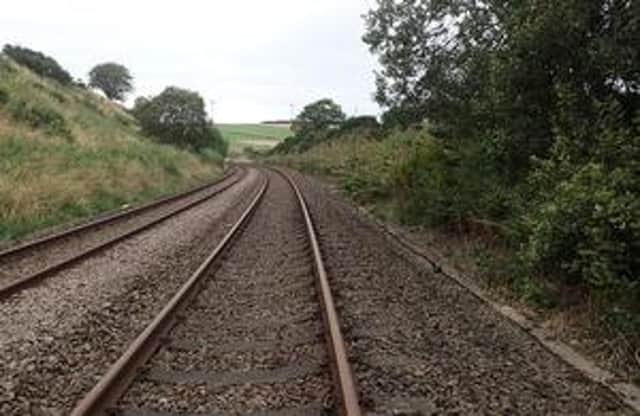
(254, 58)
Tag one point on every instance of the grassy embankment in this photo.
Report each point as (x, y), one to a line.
(258, 137)
(66, 153)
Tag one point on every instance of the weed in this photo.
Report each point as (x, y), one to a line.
(50, 121)
(4, 97)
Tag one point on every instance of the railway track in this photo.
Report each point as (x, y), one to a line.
(247, 333)
(27, 264)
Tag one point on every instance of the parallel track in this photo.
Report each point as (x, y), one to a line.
(104, 398)
(33, 248)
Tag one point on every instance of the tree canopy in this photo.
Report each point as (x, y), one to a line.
(38, 62)
(113, 79)
(178, 116)
(518, 72)
(320, 115)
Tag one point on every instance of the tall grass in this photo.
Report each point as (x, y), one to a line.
(66, 153)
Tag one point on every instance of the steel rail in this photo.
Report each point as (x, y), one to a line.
(342, 373)
(118, 378)
(111, 217)
(16, 286)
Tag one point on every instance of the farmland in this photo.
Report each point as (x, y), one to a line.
(256, 136)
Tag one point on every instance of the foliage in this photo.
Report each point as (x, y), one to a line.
(4, 97)
(313, 125)
(586, 223)
(518, 73)
(38, 62)
(320, 115)
(359, 123)
(50, 121)
(113, 79)
(47, 179)
(178, 116)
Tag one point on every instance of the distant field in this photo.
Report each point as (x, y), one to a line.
(256, 136)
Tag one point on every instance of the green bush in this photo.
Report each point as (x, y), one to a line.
(448, 182)
(38, 62)
(48, 120)
(588, 229)
(4, 97)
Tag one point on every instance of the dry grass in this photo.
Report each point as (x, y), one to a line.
(50, 178)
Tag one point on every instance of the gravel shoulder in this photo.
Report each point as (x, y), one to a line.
(58, 338)
(422, 343)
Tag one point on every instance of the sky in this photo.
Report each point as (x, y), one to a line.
(251, 60)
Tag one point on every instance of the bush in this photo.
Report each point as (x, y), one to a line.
(49, 121)
(4, 97)
(446, 182)
(588, 229)
(38, 62)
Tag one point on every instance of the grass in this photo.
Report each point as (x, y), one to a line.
(66, 153)
(259, 137)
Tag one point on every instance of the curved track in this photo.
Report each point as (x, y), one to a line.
(27, 264)
(244, 335)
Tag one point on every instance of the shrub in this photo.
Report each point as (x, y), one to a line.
(4, 97)
(446, 182)
(589, 230)
(48, 120)
(38, 62)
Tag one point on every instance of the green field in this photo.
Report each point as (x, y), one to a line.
(256, 136)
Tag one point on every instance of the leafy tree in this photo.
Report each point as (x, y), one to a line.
(316, 122)
(111, 78)
(513, 72)
(321, 115)
(178, 116)
(38, 62)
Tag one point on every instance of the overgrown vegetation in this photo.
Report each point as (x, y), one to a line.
(178, 116)
(523, 118)
(38, 62)
(66, 153)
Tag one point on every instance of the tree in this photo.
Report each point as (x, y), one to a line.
(178, 116)
(111, 78)
(38, 62)
(513, 74)
(321, 115)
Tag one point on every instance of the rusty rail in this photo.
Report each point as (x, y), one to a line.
(342, 373)
(118, 378)
(16, 286)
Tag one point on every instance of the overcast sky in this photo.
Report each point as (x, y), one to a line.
(254, 58)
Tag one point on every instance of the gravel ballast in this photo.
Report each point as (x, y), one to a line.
(58, 338)
(252, 341)
(421, 344)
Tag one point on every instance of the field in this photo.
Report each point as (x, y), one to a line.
(66, 153)
(258, 137)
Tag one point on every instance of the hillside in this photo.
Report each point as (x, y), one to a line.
(66, 153)
(259, 137)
